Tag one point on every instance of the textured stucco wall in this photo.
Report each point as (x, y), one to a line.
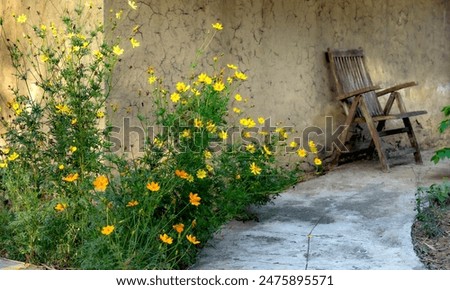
(281, 44)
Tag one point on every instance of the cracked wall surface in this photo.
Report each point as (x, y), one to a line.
(281, 45)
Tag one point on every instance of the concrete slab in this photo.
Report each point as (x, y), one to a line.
(6, 264)
(355, 217)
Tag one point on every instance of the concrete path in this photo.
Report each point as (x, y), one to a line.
(355, 217)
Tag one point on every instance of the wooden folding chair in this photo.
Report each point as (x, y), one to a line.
(359, 98)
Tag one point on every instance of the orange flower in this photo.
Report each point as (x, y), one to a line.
(100, 183)
(181, 174)
(61, 207)
(194, 199)
(192, 239)
(153, 186)
(166, 239)
(132, 203)
(178, 227)
(71, 177)
(107, 230)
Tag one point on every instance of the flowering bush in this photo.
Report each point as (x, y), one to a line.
(70, 203)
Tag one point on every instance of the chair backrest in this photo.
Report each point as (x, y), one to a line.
(348, 70)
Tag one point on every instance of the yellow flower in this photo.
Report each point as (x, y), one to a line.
(63, 109)
(60, 207)
(44, 58)
(302, 153)
(166, 239)
(117, 50)
(73, 149)
(186, 133)
(207, 154)
(204, 78)
(190, 178)
(134, 42)
(132, 4)
(317, 161)
(236, 110)
(97, 54)
(223, 135)
(100, 114)
(211, 127)
(311, 144)
(71, 177)
(240, 75)
(255, 169)
(119, 14)
(132, 203)
(198, 123)
(182, 87)
(181, 174)
(250, 123)
(238, 97)
(153, 186)
(201, 173)
(13, 156)
(5, 150)
(261, 120)
(217, 26)
(22, 18)
(100, 183)
(194, 199)
(179, 228)
(219, 86)
(73, 121)
(209, 168)
(152, 79)
(232, 66)
(293, 144)
(250, 148)
(175, 97)
(3, 164)
(246, 134)
(267, 150)
(61, 167)
(192, 239)
(107, 230)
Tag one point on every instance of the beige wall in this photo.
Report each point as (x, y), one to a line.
(280, 45)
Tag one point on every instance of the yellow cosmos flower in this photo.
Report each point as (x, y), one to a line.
(100, 183)
(73, 121)
(240, 75)
(132, 4)
(186, 133)
(152, 79)
(97, 54)
(201, 174)
(119, 14)
(181, 174)
(3, 164)
(223, 135)
(22, 18)
(198, 123)
(61, 167)
(63, 109)
(153, 186)
(236, 110)
(267, 150)
(219, 86)
(217, 26)
(134, 42)
(182, 87)
(61, 207)
(132, 203)
(250, 123)
(302, 153)
(5, 150)
(255, 169)
(317, 161)
(207, 154)
(192, 239)
(71, 177)
(175, 97)
(250, 148)
(100, 114)
(166, 239)
(117, 50)
(179, 228)
(13, 156)
(107, 230)
(293, 144)
(238, 97)
(73, 149)
(209, 168)
(211, 127)
(261, 120)
(44, 58)
(204, 78)
(194, 199)
(232, 66)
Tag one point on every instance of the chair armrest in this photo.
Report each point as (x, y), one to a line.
(342, 97)
(396, 88)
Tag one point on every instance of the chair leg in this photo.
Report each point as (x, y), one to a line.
(375, 137)
(413, 140)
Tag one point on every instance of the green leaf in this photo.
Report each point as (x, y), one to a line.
(444, 125)
(446, 111)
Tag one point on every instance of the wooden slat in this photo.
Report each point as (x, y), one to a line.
(396, 88)
(399, 116)
(392, 132)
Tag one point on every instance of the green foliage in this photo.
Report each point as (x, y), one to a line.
(444, 152)
(68, 202)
